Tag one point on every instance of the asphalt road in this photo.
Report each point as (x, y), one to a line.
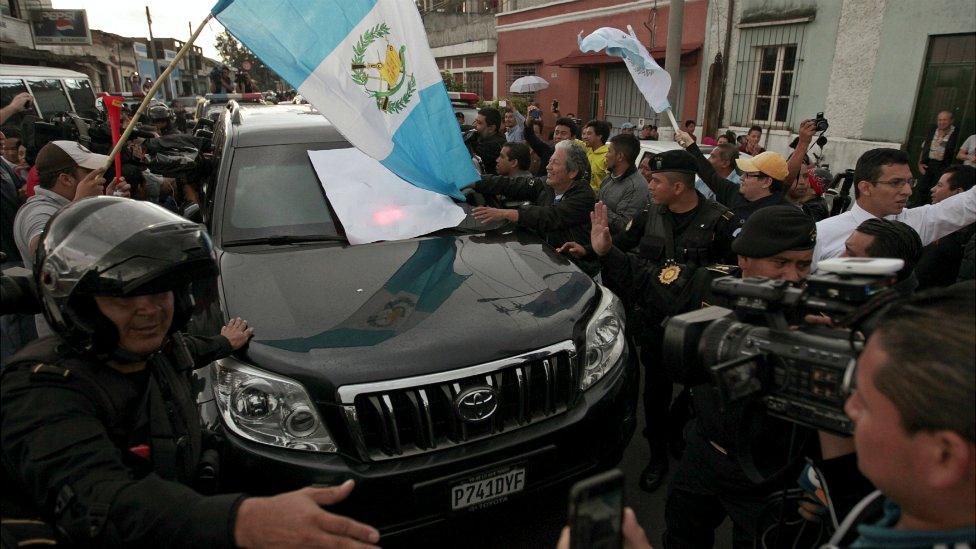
(535, 522)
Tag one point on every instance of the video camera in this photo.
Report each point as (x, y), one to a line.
(169, 156)
(803, 375)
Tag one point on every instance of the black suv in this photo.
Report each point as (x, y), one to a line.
(444, 373)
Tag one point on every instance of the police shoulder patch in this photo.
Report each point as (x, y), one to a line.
(723, 269)
(49, 372)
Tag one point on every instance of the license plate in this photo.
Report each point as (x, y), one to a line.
(487, 488)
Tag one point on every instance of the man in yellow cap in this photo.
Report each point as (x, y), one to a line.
(762, 179)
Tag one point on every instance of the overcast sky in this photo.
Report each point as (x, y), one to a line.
(170, 18)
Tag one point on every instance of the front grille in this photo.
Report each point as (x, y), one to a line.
(412, 416)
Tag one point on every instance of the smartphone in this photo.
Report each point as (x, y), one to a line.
(596, 512)
(503, 103)
(536, 114)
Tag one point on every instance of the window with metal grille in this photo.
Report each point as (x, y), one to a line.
(767, 70)
(518, 71)
(774, 84)
(474, 82)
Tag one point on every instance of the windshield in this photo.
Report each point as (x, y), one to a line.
(82, 96)
(50, 96)
(273, 191)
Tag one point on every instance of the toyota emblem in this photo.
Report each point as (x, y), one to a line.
(476, 403)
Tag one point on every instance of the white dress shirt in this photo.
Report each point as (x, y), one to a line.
(932, 222)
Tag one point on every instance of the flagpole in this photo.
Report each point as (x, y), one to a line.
(152, 92)
(674, 123)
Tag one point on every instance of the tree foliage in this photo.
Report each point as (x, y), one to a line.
(452, 84)
(234, 54)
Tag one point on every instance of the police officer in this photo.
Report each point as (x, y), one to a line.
(99, 431)
(163, 119)
(681, 226)
(709, 485)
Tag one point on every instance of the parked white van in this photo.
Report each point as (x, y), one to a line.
(52, 90)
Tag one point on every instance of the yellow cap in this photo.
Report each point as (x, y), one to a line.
(769, 163)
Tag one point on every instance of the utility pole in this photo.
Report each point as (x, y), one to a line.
(152, 53)
(672, 56)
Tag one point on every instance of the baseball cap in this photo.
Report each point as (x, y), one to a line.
(770, 163)
(628, 126)
(64, 155)
(673, 161)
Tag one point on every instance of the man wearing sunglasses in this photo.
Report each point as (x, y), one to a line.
(883, 185)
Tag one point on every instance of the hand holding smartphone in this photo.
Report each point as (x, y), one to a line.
(596, 510)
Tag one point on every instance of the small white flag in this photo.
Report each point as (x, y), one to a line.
(653, 81)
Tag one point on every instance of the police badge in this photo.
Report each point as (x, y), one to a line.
(669, 274)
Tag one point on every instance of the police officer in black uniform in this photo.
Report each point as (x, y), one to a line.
(710, 484)
(681, 226)
(100, 438)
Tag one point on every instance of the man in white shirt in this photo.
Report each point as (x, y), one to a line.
(883, 184)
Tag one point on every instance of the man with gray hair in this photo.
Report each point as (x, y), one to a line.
(560, 204)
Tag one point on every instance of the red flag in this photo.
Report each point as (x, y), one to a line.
(113, 106)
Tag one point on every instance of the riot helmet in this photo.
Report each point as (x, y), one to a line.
(113, 246)
(159, 112)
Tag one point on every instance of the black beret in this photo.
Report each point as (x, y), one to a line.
(775, 229)
(674, 161)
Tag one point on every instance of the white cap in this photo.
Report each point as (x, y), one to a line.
(59, 155)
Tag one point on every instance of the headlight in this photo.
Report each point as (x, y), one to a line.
(268, 408)
(604, 339)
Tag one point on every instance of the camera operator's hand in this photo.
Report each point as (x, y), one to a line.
(634, 536)
(572, 248)
(683, 138)
(237, 332)
(92, 185)
(807, 130)
(296, 519)
(600, 230)
(118, 187)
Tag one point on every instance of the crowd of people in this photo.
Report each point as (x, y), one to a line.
(656, 229)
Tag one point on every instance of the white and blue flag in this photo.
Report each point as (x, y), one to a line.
(653, 81)
(365, 65)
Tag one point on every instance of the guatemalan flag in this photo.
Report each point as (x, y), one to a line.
(653, 81)
(365, 65)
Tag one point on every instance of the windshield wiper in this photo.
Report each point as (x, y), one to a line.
(279, 240)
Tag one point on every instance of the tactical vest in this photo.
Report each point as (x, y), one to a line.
(174, 431)
(695, 246)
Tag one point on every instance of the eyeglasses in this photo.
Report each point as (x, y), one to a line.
(755, 175)
(899, 183)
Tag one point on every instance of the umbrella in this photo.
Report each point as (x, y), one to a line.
(529, 84)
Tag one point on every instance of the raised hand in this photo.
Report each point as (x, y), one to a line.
(600, 230)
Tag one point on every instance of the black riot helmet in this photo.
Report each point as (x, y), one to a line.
(113, 246)
(159, 112)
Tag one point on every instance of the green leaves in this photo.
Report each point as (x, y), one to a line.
(400, 104)
(359, 50)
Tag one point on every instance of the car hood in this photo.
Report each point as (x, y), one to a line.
(333, 315)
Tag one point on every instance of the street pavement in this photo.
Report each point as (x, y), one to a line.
(535, 522)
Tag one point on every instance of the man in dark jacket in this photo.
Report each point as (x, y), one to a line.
(99, 430)
(564, 129)
(561, 203)
(488, 124)
(937, 153)
(710, 484)
(761, 185)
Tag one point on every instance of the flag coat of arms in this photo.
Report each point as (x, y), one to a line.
(365, 65)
